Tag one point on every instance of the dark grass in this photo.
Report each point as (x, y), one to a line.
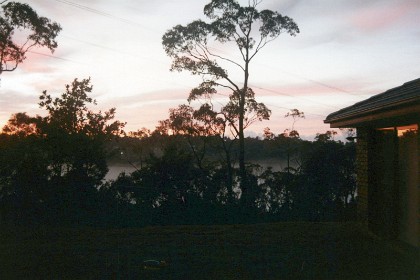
(261, 251)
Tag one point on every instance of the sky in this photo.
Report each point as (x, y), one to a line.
(346, 51)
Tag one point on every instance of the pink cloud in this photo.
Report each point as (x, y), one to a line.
(380, 17)
(347, 87)
(54, 86)
(41, 60)
(169, 96)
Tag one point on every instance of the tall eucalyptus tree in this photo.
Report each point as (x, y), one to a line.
(191, 48)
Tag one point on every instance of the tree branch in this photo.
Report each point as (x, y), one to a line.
(226, 59)
(262, 45)
(232, 83)
(225, 86)
(231, 124)
(239, 47)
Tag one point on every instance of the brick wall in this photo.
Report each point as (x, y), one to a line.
(362, 174)
(418, 184)
(364, 136)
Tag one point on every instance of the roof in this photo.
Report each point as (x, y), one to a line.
(406, 95)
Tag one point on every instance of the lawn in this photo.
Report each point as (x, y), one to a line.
(260, 251)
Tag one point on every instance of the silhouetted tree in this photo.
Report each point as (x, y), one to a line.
(205, 125)
(249, 30)
(57, 163)
(137, 147)
(76, 135)
(292, 133)
(328, 179)
(325, 137)
(274, 192)
(22, 19)
(23, 125)
(169, 184)
(268, 134)
(24, 177)
(182, 122)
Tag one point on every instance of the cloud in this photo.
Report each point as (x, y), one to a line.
(144, 109)
(381, 17)
(305, 86)
(141, 99)
(283, 7)
(351, 22)
(37, 63)
(54, 85)
(12, 102)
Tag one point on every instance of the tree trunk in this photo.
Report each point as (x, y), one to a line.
(229, 183)
(242, 171)
(245, 199)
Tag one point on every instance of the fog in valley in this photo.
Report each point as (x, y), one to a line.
(116, 168)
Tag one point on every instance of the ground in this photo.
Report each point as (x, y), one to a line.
(260, 251)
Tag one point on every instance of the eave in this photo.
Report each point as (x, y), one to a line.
(397, 105)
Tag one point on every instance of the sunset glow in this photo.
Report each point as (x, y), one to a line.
(346, 52)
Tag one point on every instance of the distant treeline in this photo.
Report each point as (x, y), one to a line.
(59, 179)
(133, 150)
(52, 171)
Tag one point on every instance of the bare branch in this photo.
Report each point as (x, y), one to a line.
(204, 50)
(225, 86)
(7, 69)
(226, 59)
(27, 41)
(239, 47)
(231, 124)
(232, 83)
(263, 42)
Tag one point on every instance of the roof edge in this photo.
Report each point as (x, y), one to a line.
(399, 96)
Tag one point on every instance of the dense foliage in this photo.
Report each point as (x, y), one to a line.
(53, 168)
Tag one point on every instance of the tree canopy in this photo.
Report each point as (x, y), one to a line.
(22, 29)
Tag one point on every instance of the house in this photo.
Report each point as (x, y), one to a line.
(388, 160)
